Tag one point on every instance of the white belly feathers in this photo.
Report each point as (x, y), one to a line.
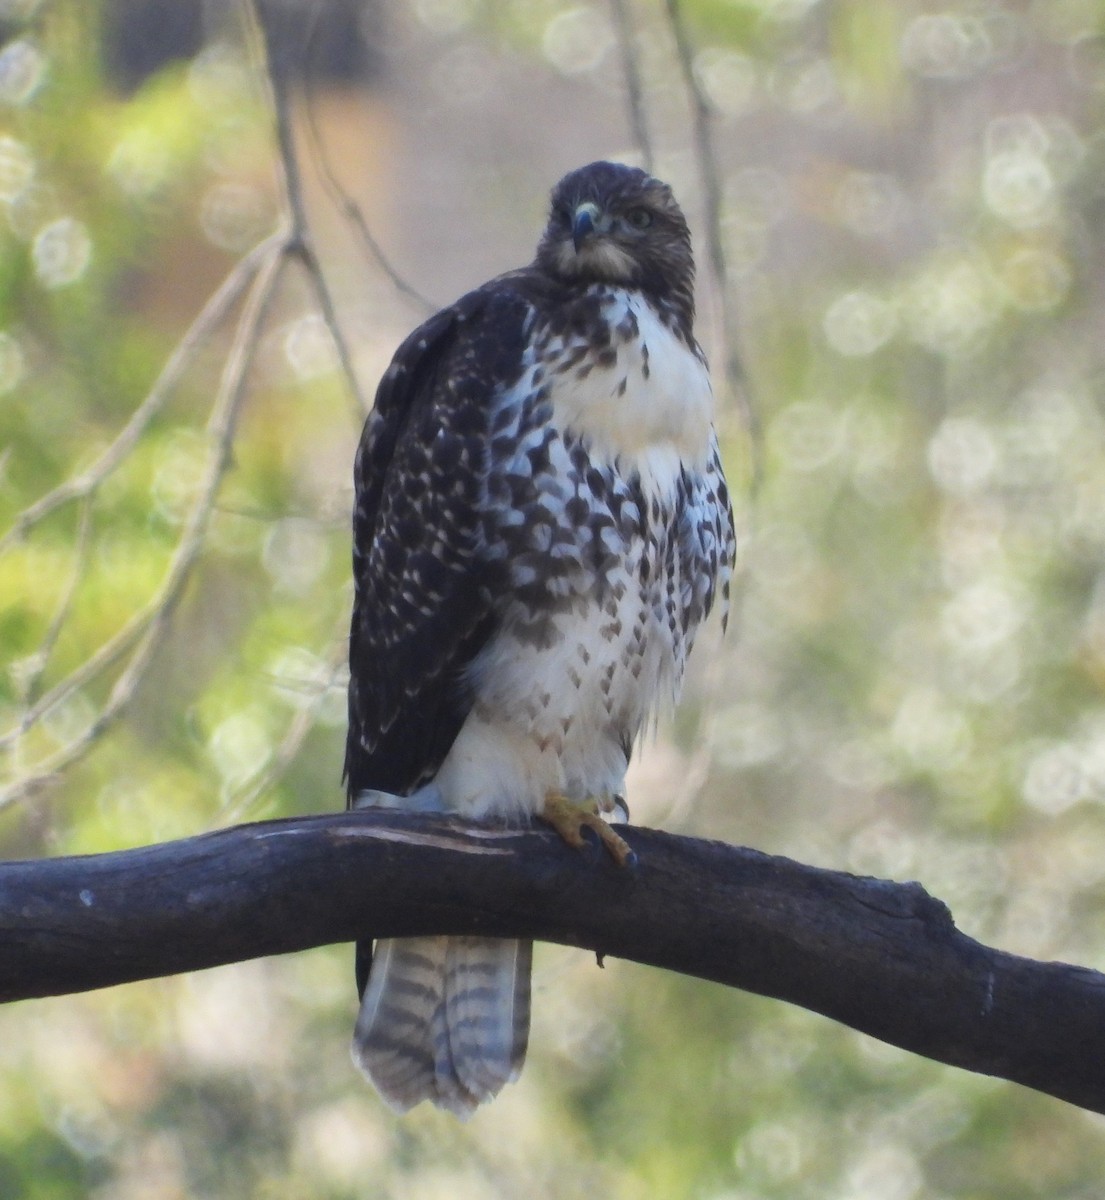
(597, 451)
(652, 409)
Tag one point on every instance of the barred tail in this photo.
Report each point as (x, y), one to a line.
(444, 1019)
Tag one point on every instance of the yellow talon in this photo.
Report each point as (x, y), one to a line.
(568, 817)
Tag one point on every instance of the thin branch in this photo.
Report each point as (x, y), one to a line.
(351, 211)
(151, 625)
(710, 174)
(32, 680)
(325, 299)
(302, 243)
(881, 957)
(124, 640)
(119, 644)
(704, 147)
(346, 206)
(210, 318)
(144, 631)
(634, 92)
(296, 733)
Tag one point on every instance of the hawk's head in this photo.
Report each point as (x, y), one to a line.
(610, 223)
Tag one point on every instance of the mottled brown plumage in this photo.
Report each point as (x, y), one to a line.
(541, 525)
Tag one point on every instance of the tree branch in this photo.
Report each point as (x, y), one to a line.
(884, 958)
(712, 186)
(634, 88)
(146, 629)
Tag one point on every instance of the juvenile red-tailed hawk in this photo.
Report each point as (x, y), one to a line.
(541, 524)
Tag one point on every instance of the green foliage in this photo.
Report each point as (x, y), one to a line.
(911, 687)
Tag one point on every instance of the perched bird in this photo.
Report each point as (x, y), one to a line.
(541, 525)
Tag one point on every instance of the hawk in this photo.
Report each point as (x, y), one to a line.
(541, 524)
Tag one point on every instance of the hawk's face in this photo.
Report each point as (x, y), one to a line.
(615, 224)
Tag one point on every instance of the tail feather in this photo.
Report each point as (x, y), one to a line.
(487, 993)
(393, 1042)
(444, 1019)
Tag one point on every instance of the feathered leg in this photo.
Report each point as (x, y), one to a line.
(444, 1019)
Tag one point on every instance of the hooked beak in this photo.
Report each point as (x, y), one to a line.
(583, 223)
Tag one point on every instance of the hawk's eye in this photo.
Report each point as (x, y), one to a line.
(638, 218)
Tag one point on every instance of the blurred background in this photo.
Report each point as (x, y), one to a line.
(898, 209)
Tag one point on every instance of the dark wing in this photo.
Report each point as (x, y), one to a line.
(423, 600)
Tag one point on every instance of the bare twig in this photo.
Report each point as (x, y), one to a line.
(296, 733)
(710, 174)
(83, 486)
(349, 209)
(210, 318)
(32, 680)
(301, 242)
(149, 627)
(143, 632)
(91, 668)
(703, 142)
(638, 120)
